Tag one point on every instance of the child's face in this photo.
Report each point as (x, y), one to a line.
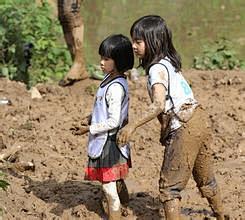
(107, 65)
(139, 48)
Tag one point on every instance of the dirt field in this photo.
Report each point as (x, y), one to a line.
(56, 189)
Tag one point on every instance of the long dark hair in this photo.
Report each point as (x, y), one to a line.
(153, 30)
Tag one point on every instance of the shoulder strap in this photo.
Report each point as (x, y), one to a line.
(168, 96)
(123, 90)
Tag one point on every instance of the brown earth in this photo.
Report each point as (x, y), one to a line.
(56, 189)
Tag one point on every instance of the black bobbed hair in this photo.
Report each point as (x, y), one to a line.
(119, 48)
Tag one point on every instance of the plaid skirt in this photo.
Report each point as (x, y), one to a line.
(110, 166)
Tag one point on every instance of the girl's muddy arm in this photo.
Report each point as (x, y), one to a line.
(153, 110)
(157, 106)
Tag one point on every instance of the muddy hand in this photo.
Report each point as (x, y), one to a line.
(79, 130)
(125, 134)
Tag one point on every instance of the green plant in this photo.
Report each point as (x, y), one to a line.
(218, 55)
(95, 72)
(30, 50)
(3, 183)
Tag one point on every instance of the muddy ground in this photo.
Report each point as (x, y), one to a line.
(56, 189)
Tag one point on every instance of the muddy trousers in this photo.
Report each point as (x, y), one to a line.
(73, 28)
(187, 152)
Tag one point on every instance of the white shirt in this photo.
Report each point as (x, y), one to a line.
(180, 91)
(114, 98)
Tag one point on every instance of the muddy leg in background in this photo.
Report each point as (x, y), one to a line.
(73, 28)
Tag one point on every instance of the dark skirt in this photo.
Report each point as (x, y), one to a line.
(110, 166)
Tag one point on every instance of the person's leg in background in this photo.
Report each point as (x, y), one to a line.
(73, 28)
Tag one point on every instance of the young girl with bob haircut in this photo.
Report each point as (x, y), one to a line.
(185, 131)
(108, 163)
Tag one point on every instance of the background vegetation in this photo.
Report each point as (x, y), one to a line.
(208, 35)
(193, 23)
(218, 55)
(30, 49)
(3, 183)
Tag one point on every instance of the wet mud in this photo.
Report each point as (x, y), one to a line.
(55, 189)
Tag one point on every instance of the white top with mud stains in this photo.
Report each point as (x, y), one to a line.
(180, 91)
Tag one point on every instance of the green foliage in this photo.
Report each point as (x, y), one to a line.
(3, 183)
(95, 72)
(219, 55)
(30, 50)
